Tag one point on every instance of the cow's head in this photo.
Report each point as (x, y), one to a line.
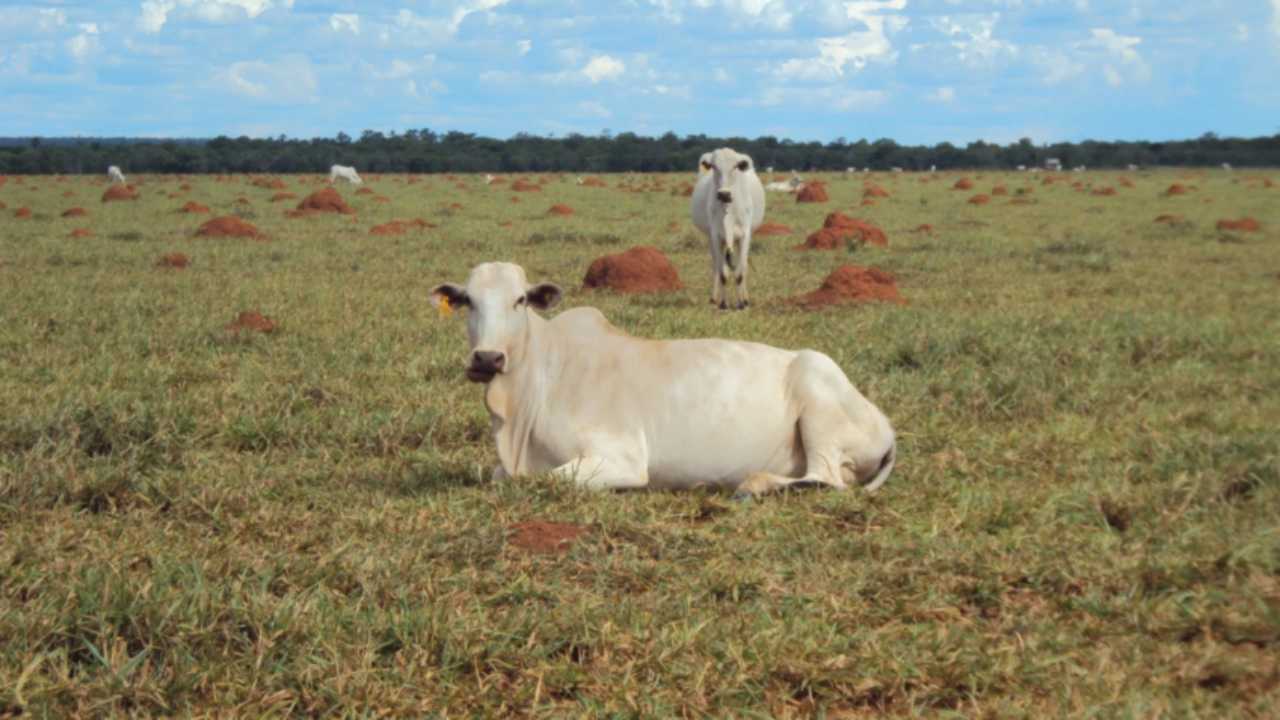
(726, 165)
(498, 299)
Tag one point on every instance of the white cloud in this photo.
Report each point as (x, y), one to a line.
(772, 14)
(524, 46)
(594, 109)
(603, 67)
(290, 79)
(468, 7)
(973, 37)
(830, 98)
(1275, 18)
(1118, 47)
(856, 48)
(154, 14)
(84, 43)
(1056, 66)
(942, 95)
(349, 22)
(1123, 46)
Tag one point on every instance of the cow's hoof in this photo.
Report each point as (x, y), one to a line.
(723, 306)
(743, 305)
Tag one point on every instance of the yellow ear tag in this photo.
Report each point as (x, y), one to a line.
(446, 308)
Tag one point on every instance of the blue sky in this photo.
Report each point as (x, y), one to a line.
(917, 71)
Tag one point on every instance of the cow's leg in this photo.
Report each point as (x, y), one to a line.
(593, 472)
(762, 483)
(740, 272)
(717, 269)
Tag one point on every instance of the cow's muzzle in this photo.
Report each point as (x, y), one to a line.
(724, 196)
(485, 364)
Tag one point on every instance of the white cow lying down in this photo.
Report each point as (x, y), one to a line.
(344, 172)
(579, 398)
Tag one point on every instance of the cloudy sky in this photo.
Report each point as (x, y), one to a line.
(917, 71)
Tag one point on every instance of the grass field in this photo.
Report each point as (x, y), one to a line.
(1084, 519)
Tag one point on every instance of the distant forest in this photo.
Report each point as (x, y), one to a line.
(425, 151)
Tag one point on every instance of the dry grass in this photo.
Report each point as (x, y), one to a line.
(196, 522)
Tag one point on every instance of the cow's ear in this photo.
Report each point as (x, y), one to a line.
(450, 295)
(544, 296)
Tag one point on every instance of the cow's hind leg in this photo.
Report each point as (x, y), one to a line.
(762, 483)
(599, 473)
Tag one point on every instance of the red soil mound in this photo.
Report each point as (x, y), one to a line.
(1176, 189)
(538, 536)
(22, 212)
(926, 228)
(522, 185)
(252, 320)
(324, 200)
(559, 209)
(228, 226)
(395, 227)
(269, 183)
(1168, 219)
(963, 184)
(119, 192)
(593, 182)
(364, 191)
(3, 206)
(684, 190)
(194, 208)
(641, 269)
(874, 191)
(979, 199)
(242, 201)
(175, 261)
(1125, 182)
(1104, 191)
(999, 190)
(767, 229)
(838, 229)
(1245, 224)
(812, 192)
(185, 187)
(68, 194)
(399, 227)
(74, 212)
(853, 284)
(283, 196)
(81, 233)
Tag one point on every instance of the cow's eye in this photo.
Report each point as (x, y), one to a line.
(521, 300)
(744, 165)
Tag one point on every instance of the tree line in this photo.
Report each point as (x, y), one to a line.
(426, 151)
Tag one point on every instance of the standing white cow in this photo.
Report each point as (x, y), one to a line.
(728, 205)
(114, 175)
(577, 397)
(346, 173)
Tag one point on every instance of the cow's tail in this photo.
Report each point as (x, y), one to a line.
(886, 467)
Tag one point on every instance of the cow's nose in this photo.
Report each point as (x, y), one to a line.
(488, 360)
(724, 196)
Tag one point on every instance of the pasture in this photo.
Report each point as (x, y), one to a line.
(1084, 518)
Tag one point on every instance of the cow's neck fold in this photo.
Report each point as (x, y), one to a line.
(515, 398)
